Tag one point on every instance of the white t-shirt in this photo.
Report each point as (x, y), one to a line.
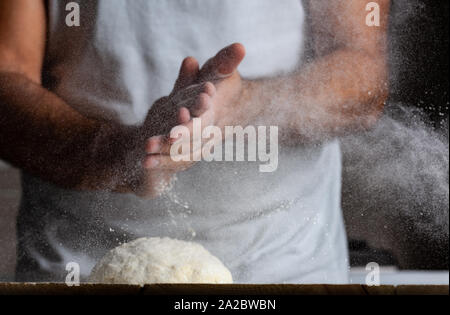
(280, 227)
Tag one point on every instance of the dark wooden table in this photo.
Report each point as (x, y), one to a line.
(224, 289)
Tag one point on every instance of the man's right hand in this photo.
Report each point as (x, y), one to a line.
(156, 173)
(194, 95)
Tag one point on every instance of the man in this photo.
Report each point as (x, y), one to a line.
(84, 116)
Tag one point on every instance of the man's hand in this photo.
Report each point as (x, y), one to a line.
(193, 96)
(222, 71)
(210, 94)
(154, 176)
(220, 107)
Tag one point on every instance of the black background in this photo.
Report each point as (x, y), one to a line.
(419, 56)
(418, 63)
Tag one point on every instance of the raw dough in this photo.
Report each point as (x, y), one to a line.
(159, 260)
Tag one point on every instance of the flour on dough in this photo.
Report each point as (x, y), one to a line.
(159, 260)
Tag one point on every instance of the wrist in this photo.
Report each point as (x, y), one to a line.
(117, 154)
(248, 105)
(129, 159)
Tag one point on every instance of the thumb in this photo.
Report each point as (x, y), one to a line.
(224, 63)
(187, 75)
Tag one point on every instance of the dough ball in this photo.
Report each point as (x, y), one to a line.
(159, 260)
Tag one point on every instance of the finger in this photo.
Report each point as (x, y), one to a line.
(183, 115)
(161, 144)
(188, 73)
(159, 162)
(224, 63)
(209, 89)
(155, 144)
(201, 105)
(188, 94)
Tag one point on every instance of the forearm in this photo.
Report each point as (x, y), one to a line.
(44, 136)
(340, 92)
